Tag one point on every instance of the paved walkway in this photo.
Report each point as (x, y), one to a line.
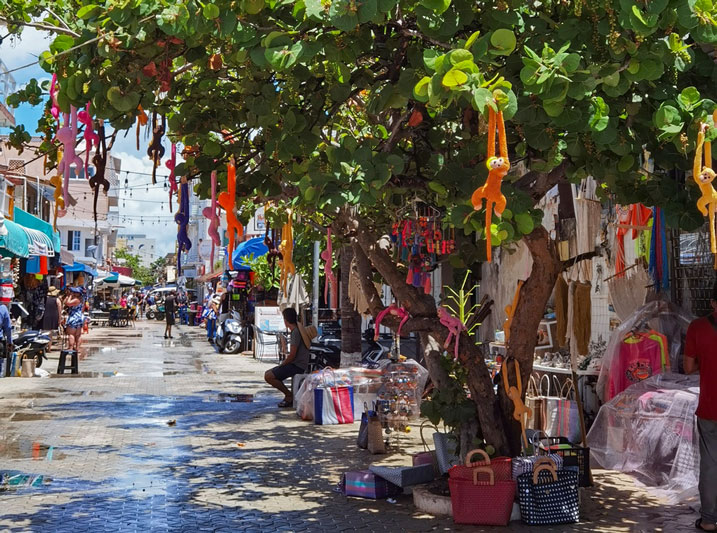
(99, 452)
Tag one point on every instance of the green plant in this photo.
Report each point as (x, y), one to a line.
(462, 306)
(264, 277)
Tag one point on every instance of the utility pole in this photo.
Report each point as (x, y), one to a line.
(315, 285)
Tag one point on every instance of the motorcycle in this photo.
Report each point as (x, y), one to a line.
(228, 336)
(323, 355)
(32, 344)
(155, 311)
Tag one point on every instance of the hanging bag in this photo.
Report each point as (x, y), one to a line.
(376, 443)
(549, 496)
(362, 439)
(446, 451)
(482, 501)
(535, 402)
(500, 466)
(564, 414)
(526, 465)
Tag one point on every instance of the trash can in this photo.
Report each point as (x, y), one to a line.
(28, 368)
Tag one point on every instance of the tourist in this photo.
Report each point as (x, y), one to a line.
(295, 363)
(53, 310)
(6, 327)
(701, 356)
(169, 308)
(123, 301)
(75, 317)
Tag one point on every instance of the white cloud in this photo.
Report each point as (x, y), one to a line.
(18, 51)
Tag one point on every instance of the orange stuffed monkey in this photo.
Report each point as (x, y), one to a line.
(497, 169)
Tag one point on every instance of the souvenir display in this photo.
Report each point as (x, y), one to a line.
(287, 251)
(91, 138)
(704, 176)
(333, 401)
(399, 399)
(510, 311)
(520, 412)
(500, 466)
(498, 167)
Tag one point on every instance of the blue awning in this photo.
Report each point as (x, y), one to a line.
(51, 238)
(252, 248)
(80, 267)
(13, 240)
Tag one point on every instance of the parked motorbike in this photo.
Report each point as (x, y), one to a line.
(155, 311)
(32, 344)
(374, 351)
(323, 355)
(228, 336)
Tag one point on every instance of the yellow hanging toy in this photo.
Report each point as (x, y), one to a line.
(704, 176)
(56, 182)
(521, 412)
(287, 251)
(498, 167)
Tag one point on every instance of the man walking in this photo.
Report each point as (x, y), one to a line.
(701, 356)
(169, 308)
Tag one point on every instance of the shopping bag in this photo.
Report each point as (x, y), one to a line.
(482, 502)
(362, 439)
(366, 484)
(446, 451)
(405, 476)
(526, 465)
(500, 466)
(376, 443)
(427, 456)
(534, 400)
(549, 496)
(563, 414)
(333, 405)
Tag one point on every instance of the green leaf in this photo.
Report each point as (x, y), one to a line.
(211, 149)
(459, 55)
(210, 11)
(471, 40)
(438, 6)
(524, 223)
(689, 98)
(420, 91)
(61, 43)
(87, 11)
(253, 7)
(599, 118)
(625, 163)
(503, 40)
(454, 77)
(367, 10)
(481, 98)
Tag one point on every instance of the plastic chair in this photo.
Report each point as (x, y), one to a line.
(264, 340)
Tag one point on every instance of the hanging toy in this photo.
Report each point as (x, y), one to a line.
(91, 138)
(67, 135)
(227, 200)
(171, 163)
(56, 182)
(393, 310)
(142, 120)
(210, 213)
(454, 326)
(100, 162)
(497, 169)
(55, 109)
(273, 254)
(155, 151)
(287, 251)
(521, 412)
(330, 283)
(510, 311)
(704, 176)
(182, 220)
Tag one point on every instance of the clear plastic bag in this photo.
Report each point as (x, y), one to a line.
(662, 316)
(649, 430)
(305, 394)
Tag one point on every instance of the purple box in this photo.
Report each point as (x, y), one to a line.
(366, 484)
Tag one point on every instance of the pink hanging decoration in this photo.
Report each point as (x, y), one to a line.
(394, 310)
(170, 164)
(211, 214)
(67, 135)
(55, 109)
(91, 138)
(454, 326)
(330, 286)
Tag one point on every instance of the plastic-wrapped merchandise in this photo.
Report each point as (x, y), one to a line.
(663, 322)
(305, 394)
(400, 395)
(649, 430)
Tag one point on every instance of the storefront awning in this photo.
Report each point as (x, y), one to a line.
(80, 267)
(13, 240)
(39, 232)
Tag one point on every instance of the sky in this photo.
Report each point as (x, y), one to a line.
(146, 211)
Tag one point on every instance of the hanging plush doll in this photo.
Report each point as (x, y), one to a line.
(287, 251)
(67, 135)
(100, 162)
(182, 220)
(393, 310)
(227, 200)
(91, 138)
(171, 164)
(454, 326)
(210, 213)
(330, 292)
(56, 182)
(155, 151)
(142, 120)
(497, 169)
(55, 109)
(704, 176)
(510, 310)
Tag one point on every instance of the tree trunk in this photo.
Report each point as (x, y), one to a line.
(529, 312)
(350, 318)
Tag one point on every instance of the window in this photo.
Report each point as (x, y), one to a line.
(73, 240)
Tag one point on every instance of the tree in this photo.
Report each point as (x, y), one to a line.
(139, 271)
(344, 109)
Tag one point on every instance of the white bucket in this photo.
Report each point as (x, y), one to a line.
(28, 368)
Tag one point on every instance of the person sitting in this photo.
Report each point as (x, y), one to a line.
(295, 363)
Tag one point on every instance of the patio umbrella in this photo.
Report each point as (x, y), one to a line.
(116, 280)
(296, 295)
(252, 248)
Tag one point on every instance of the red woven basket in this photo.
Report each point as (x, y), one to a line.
(486, 503)
(501, 467)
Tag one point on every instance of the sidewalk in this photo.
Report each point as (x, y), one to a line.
(96, 453)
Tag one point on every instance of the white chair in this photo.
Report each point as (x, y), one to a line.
(263, 340)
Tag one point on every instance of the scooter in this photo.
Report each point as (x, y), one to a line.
(324, 355)
(374, 352)
(155, 311)
(32, 344)
(228, 336)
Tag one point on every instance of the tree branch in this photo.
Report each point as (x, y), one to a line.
(39, 26)
(537, 184)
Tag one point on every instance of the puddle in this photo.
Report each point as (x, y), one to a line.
(227, 397)
(87, 375)
(11, 448)
(29, 417)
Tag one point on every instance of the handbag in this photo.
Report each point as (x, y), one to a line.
(482, 502)
(446, 447)
(362, 439)
(563, 414)
(526, 465)
(549, 496)
(427, 456)
(500, 466)
(405, 476)
(366, 484)
(376, 444)
(333, 404)
(535, 402)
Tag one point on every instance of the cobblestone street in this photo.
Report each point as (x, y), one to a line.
(98, 452)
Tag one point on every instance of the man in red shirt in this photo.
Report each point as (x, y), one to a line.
(701, 356)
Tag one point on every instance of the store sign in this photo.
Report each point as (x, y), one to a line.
(269, 319)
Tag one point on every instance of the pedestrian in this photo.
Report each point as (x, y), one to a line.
(182, 306)
(53, 310)
(295, 363)
(75, 317)
(169, 308)
(701, 356)
(6, 327)
(123, 301)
